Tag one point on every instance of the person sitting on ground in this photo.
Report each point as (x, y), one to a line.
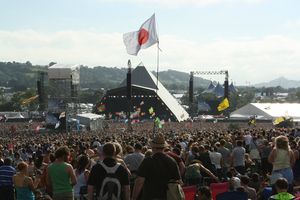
(282, 187)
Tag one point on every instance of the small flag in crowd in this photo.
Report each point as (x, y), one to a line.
(145, 37)
(62, 115)
(57, 124)
(278, 120)
(37, 129)
(101, 108)
(151, 110)
(223, 105)
(135, 114)
(158, 122)
(29, 100)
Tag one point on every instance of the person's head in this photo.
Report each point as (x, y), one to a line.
(119, 149)
(129, 149)
(109, 150)
(158, 143)
(239, 143)
(16, 155)
(176, 151)
(22, 167)
(245, 180)
(138, 147)
(204, 193)
(293, 144)
(195, 149)
(255, 177)
(62, 153)
(7, 161)
(82, 163)
(148, 153)
(282, 142)
(51, 157)
(234, 183)
(222, 142)
(281, 185)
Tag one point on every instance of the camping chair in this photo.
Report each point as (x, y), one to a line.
(217, 188)
(190, 192)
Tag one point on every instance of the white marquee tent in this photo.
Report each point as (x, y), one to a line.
(268, 111)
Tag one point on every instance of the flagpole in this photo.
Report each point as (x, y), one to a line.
(157, 70)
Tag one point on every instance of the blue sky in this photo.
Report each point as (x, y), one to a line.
(256, 40)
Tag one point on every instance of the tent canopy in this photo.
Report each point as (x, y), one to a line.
(268, 111)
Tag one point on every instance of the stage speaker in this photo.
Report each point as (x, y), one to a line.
(129, 89)
(226, 89)
(191, 89)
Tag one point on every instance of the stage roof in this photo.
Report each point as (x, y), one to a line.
(63, 72)
(142, 78)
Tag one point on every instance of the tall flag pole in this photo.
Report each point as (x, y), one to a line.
(157, 70)
(145, 37)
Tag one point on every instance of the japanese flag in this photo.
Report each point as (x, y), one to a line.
(145, 37)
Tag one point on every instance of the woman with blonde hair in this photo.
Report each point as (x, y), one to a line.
(282, 158)
(24, 184)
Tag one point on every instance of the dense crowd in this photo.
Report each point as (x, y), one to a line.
(260, 162)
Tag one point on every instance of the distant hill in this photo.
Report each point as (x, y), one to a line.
(19, 75)
(281, 81)
(173, 79)
(24, 75)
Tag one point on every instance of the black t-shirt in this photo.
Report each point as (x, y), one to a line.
(157, 171)
(98, 174)
(206, 162)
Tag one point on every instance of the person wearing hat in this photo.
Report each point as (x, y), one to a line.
(155, 172)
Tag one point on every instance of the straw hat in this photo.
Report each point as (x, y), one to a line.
(158, 142)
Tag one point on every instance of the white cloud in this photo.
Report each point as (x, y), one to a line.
(247, 59)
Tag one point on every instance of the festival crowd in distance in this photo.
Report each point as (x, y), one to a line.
(206, 160)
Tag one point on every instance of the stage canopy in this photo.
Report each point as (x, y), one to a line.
(145, 95)
(268, 111)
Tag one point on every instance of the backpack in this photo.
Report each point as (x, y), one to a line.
(111, 186)
(175, 191)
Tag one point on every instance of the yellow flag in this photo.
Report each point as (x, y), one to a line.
(151, 110)
(29, 100)
(278, 120)
(223, 105)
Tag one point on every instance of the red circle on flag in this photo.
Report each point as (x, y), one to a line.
(143, 36)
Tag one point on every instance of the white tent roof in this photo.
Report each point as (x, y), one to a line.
(268, 110)
(90, 116)
(141, 77)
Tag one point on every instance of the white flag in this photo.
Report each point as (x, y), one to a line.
(145, 37)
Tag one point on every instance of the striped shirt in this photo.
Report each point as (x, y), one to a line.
(6, 174)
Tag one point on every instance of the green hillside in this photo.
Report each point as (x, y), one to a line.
(20, 76)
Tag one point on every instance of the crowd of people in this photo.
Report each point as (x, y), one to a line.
(259, 162)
